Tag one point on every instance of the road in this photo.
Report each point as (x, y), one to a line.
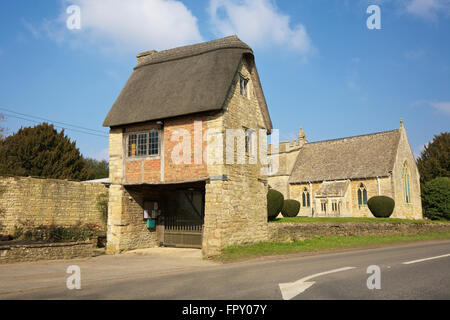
(148, 277)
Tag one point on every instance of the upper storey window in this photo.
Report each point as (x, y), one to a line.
(243, 83)
(143, 144)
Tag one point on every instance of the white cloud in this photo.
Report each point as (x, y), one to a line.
(32, 29)
(132, 25)
(99, 155)
(413, 55)
(418, 151)
(428, 9)
(102, 155)
(440, 106)
(260, 23)
(443, 106)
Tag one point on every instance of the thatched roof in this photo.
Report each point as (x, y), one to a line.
(366, 156)
(183, 81)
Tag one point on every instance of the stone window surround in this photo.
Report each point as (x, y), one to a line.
(406, 178)
(362, 196)
(250, 139)
(246, 81)
(323, 205)
(306, 199)
(334, 205)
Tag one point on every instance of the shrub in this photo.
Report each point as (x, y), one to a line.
(290, 208)
(436, 199)
(381, 206)
(275, 201)
(102, 205)
(18, 232)
(53, 233)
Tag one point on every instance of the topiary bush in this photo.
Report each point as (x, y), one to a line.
(290, 208)
(381, 206)
(275, 201)
(436, 199)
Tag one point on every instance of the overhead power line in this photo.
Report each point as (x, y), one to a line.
(65, 126)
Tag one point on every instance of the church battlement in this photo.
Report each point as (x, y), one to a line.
(288, 146)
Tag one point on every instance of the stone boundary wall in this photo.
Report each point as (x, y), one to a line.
(36, 202)
(12, 253)
(285, 232)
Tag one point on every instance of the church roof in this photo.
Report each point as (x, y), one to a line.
(366, 156)
(184, 80)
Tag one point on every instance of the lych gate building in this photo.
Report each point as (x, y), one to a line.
(175, 96)
(171, 179)
(337, 177)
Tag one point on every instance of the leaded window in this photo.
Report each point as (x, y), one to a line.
(143, 144)
(406, 184)
(154, 143)
(323, 206)
(334, 206)
(132, 141)
(305, 198)
(362, 195)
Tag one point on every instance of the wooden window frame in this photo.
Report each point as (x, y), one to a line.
(147, 138)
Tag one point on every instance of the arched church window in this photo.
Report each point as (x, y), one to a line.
(406, 184)
(362, 195)
(305, 198)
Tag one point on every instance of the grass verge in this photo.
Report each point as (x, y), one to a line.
(349, 220)
(235, 253)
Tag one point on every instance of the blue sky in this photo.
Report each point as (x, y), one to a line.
(320, 66)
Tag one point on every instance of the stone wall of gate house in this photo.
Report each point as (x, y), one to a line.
(127, 229)
(235, 208)
(235, 194)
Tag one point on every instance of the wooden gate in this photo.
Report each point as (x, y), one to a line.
(183, 222)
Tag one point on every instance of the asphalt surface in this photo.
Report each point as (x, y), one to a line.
(153, 277)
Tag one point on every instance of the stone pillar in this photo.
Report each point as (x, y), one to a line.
(116, 191)
(212, 240)
(115, 209)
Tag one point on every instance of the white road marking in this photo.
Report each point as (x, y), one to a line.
(426, 259)
(293, 289)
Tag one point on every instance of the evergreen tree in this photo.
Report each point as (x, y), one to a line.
(42, 151)
(434, 161)
(436, 199)
(100, 169)
(2, 129)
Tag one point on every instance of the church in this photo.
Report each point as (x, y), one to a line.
(336, 178)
